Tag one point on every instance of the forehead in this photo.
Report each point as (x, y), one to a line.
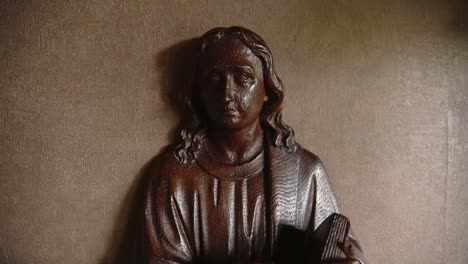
(229, 51)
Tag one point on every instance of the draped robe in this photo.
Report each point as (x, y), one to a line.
(198, 213)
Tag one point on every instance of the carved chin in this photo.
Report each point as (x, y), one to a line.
(231, 120)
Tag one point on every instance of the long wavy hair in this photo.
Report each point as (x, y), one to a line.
(192, 130)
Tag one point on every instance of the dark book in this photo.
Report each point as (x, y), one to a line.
(335, 241)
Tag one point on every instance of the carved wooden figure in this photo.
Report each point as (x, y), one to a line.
(236, 187)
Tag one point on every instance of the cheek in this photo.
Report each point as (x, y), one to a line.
(244, 99)
(252, 99)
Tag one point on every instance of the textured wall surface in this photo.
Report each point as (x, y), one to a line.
(378, 89)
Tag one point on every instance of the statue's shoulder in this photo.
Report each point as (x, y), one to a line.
(166, 167)
(307, 158)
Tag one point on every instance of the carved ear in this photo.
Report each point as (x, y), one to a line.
(265, 99)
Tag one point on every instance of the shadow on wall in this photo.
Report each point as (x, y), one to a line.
(459, 23)
(175, 66)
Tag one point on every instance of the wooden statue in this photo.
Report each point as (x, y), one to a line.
(236, 187)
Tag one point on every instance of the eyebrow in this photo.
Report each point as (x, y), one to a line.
(243, 67)
(246, 68)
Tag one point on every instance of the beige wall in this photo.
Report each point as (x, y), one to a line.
(378, 89)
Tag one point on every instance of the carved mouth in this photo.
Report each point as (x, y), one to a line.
(230, 112)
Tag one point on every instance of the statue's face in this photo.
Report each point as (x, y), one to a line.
(232, 84)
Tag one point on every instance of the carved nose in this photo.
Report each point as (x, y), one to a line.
(228, 90)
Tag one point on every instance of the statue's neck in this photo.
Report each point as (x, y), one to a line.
(235, 146)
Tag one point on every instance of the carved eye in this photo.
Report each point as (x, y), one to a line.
(242, 78)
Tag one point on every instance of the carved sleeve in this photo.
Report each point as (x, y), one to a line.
(326, 204)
